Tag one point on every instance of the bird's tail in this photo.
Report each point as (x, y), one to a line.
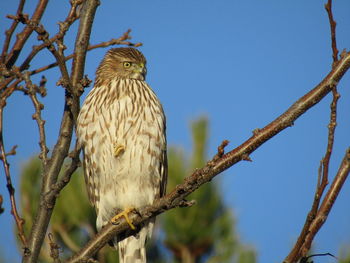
(132, 249)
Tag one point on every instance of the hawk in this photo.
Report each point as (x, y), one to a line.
(121, 129)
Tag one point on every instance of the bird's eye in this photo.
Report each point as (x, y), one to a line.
(127, 64)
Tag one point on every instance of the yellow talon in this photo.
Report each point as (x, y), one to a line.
(125, 215)
(118, 150)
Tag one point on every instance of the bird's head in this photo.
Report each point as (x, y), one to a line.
(126, 63)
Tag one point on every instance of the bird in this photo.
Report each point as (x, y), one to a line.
(121, 129)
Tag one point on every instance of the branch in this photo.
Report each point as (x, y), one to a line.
(218, 164)
(11, 152)
(32, 91)
(54, 249)
(19, 221)
(58, 186)
(1, 208)
(332, 24)
(324, 167)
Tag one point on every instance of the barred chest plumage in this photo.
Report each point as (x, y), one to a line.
(121, 127)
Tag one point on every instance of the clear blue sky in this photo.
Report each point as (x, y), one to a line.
(241, 63)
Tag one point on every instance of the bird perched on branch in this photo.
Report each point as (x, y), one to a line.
(121, 129)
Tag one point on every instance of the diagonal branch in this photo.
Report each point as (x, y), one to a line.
(219, 163)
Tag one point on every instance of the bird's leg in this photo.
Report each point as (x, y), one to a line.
(124, 214)
(118, 149)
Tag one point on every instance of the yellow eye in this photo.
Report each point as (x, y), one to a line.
(127, 64)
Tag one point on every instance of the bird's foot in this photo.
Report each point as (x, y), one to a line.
(118, 150)
(124, 214)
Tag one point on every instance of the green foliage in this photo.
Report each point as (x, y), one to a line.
(344, 254)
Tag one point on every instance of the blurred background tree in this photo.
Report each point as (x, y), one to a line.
(344, 254)
(202, 233)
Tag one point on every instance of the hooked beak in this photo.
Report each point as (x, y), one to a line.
(139, 71)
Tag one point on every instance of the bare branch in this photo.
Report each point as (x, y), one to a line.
(19, 221)
(331, 130)
(214, 167)
(54, 249)
(332, 24)
(221, 149)
(58, 186)
(32, 91)
(11, 152)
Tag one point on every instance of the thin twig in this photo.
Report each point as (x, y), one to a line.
(19, 221)
(64, 180)
(331, 130)
(213, 168)
(1, 201)
(38, 106)
(11, 152)
(221, 150)
(54, 249)
(332, 24)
